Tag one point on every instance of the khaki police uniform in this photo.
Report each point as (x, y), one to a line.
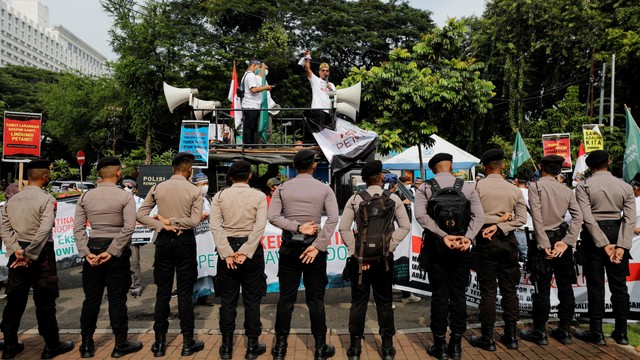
(296, 202)
(27, 223)
(549, 201)
(238, 220)
(448, 269)
(602, 199)
(111, 213)
(181, 202)
(498, 257)
(379, 277)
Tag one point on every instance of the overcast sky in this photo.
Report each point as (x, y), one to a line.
(87, 20)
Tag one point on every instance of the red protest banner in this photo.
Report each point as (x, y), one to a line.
(558, 144)
(21, 136)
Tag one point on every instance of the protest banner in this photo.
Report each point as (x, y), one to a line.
(151, 175)
(593, 139)
(194, 139)
(21, 137)
(558, 144)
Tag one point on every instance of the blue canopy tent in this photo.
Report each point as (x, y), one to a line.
(409, 159)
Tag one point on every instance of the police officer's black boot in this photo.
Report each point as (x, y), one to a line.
(455, 346)
(353, 353)
(12, 346)
(619, 334)
(594, 335)
(484, 341)
(254, 348)
(562, 333)
(538, 335)
(323, 350)
(190, 345)
(439, 348)
(124, 346)
(226, 348)
(388, 351)
(51, 351)
(509, 338)
(159, 347)
(279, 349)
(87, 350)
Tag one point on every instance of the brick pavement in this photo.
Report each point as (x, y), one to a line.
(410, 345)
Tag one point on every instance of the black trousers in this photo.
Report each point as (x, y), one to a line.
(250, 275)
(595, 264)
(564, 270)
(498, 259)
(290, 269)
(115, 275)
(448, 272)
(250, 126)
(175, 254)
(378, 279)
(42, 276)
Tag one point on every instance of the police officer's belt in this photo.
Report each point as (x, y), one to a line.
(236, 241)
(607, 223)
(558, 233)
(297, 239)
(99, 245)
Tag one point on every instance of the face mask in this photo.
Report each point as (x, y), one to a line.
(204, 189)
(256, 71)
(128, 189)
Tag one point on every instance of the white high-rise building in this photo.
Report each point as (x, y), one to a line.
(27, 39)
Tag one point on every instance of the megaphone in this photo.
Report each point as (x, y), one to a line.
(203, 107)
(347, 101)
(176, 96)
(274, 109)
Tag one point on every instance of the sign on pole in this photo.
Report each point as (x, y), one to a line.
(21, 139)
(558, 144)
(80, 158)
(194, 139)
(593, 139)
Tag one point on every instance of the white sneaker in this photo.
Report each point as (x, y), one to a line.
(411, 299)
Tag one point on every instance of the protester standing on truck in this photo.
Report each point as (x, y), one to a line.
(296, 207)
(446, 249)
(377, 272)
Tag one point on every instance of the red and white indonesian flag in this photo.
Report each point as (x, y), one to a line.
(236, 102)
(581, 164)
(346, 144)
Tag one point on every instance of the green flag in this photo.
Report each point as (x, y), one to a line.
(263, 123)
(631, 164)
(520, 155)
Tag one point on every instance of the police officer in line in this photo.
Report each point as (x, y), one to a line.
(448, 261)
(606, 238)
(297, 207)
(179, 212)
(549, 201)
(111, 213)
(376, 275)
(238, 220)
(27, 223)
(498, 251)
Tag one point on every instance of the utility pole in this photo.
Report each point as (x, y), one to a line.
(601, 115)
(613, 81)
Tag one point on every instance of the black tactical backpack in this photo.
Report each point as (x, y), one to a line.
(449, 207)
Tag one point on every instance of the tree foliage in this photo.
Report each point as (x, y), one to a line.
(431, 88)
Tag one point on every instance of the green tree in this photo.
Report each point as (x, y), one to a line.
(421, 92)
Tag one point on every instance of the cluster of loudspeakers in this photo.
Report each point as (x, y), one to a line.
(176, 96)
(345, 101)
